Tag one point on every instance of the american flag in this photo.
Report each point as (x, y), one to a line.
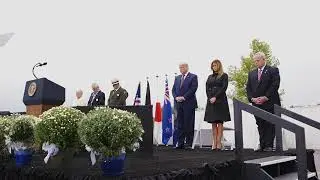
(137, 99)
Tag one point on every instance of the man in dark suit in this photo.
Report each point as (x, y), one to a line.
(184, 93)
(97, 97)
(118, 95)
(262, 91)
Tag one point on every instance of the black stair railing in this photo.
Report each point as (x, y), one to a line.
(278, 122)
(278, 110)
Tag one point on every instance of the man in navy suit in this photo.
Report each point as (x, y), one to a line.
(262, 91)
(184, 93)
(97, 97)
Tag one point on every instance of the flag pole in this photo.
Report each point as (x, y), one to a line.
(174, 119)
(151, 103)
(157, 86)
(153, 120)
(149, 90)
(157, 100)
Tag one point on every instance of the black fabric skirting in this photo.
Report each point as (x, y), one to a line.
(167, 163)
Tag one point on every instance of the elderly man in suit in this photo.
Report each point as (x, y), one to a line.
(118, 95)
(184, 93)
(262, 91)
(97, 97)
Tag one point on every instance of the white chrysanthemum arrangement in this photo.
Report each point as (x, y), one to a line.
(58, 130)
(4, 130)
(109, 131)
(19, 131)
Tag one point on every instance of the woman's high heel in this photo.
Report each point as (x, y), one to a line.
(219, 148)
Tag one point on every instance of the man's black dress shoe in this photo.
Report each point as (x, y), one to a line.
(180, 147)
(259, 150)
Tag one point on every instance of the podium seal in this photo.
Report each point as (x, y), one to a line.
(32, 89)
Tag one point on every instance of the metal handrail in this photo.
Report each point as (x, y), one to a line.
(277, 121)
(278, 110)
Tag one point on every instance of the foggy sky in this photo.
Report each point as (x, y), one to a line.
(95, 41)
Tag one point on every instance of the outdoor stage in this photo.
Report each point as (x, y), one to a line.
(166, 163)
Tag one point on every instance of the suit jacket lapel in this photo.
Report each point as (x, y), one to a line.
(185, 80)
(179, 81)
(263, 73)
(113, 93)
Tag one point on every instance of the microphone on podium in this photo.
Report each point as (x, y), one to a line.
(38, 65)
(43, 64)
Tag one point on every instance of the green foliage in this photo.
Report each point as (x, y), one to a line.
(4, 130)
(21, 129)
(108, 131)
(239, 76)
(59, 126)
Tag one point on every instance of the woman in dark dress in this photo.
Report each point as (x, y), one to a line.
(217, 109)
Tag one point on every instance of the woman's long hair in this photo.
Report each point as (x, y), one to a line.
(220, 68)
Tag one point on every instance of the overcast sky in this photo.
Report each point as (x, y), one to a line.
(94, 41)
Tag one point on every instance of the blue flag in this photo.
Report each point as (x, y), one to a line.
(137, 98)
(166, 116)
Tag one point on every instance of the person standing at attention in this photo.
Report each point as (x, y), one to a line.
(184, 93)
(79, 101)
(97, 97)
(262, 91)
(118, 95)
(217, 109)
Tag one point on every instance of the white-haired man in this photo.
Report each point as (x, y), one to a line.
(97, 97)
(118, 95)
(262, 91)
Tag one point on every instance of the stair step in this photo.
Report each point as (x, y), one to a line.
(294, 176)
(271, 160)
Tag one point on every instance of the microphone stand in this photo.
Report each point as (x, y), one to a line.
(38, 64)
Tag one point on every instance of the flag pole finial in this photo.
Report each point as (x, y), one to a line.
(157, 86)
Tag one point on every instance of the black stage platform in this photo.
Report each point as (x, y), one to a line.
(166, 163)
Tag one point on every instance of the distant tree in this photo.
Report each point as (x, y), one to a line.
(239, 76)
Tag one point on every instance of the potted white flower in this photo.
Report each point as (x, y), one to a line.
(4, 130)
(57, 131)
(20, 137)
(109, 132)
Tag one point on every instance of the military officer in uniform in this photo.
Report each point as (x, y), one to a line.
(118, 95)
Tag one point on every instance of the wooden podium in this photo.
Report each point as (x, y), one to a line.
(42, 94)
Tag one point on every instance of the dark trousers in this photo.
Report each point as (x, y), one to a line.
(185, 121)
(266, 131)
